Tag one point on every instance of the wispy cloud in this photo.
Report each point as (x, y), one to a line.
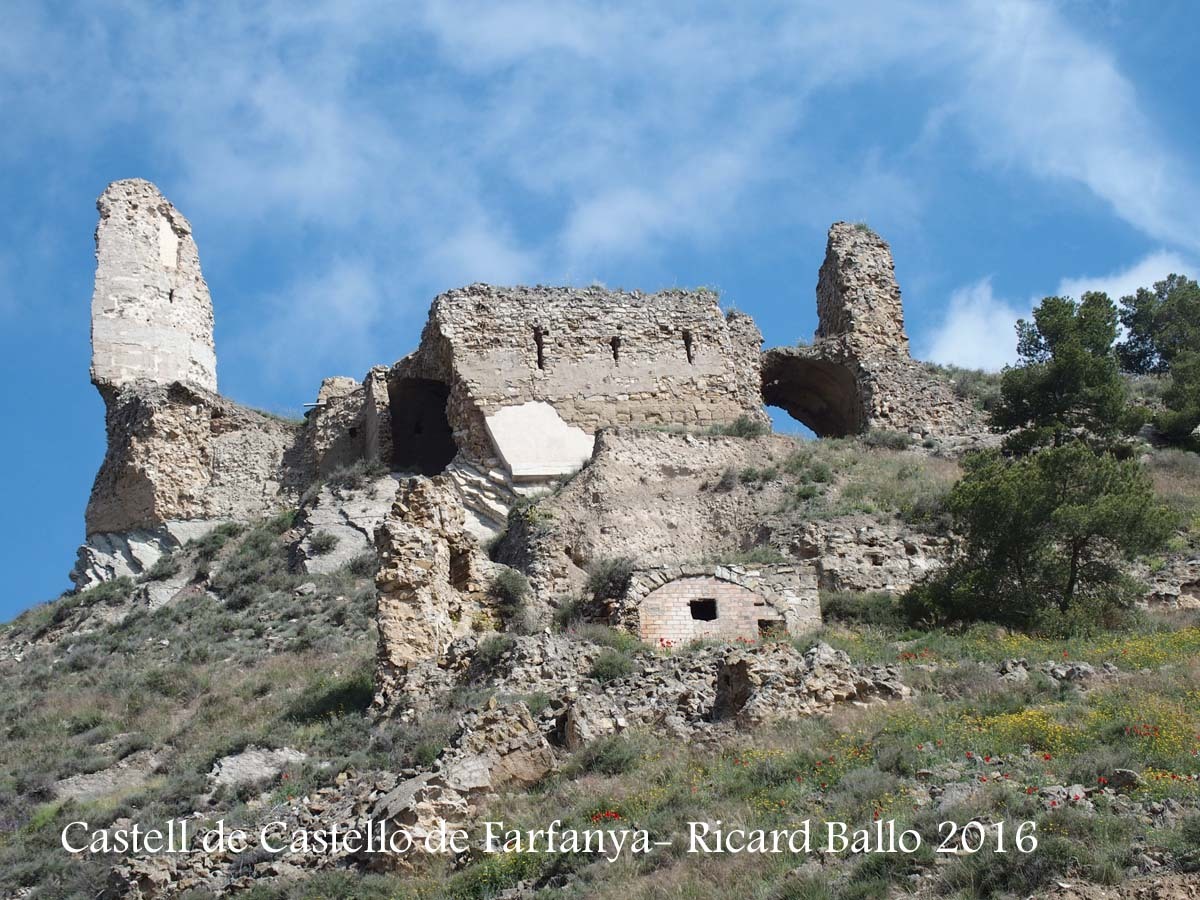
(437, 143)
(1143, 273)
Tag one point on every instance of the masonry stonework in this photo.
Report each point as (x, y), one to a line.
(677, 612)
(672, 605)
(152, 316)
(596, 357)
(858, 374)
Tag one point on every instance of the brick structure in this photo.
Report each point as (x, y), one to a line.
(701, 607)
(678, 604)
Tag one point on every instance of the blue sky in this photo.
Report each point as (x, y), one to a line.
(343, 162)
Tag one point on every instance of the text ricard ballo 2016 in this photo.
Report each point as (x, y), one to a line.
(806, 836)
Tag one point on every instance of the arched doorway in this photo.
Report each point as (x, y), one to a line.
(422, 439)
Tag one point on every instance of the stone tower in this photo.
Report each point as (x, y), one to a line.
(858, 374)
(152, 317)
(858, 299)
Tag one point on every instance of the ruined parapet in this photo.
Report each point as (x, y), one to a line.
(858, 373)
(504, 363)
(152, 317)
(858, 299)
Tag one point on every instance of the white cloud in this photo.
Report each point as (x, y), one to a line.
(1038, 94)
(978, 331)
(1143, 273)
(440, 142)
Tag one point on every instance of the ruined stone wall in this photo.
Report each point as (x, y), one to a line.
(152, 316)
(431, 582)
(179, 453)
(858, 373)
(858, 299)
(598, 357)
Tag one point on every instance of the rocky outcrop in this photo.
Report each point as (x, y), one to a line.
(176, 452)
(775, 682)
(252, 766)
(339, 522)
(431, 582)
(858, 373)
(860, 553)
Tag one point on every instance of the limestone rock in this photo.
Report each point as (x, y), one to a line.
(128, 774)
(776, 682)
(177, 452)
(432, 577)
(350, 516)
(254, 765)
(152, 316)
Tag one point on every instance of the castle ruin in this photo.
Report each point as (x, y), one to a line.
(505, 393)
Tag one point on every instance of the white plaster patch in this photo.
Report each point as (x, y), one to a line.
(168, 243)
(535, 442)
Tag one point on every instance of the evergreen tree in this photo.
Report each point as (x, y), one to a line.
(1067, 384)
(1044, 539)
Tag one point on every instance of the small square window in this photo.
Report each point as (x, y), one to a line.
(703, 610)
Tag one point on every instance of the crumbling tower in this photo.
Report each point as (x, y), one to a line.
(858, 373)
(152, 316)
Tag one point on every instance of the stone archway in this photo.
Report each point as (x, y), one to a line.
(822, 394)
(422, 439)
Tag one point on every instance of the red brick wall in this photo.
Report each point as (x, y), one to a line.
(665, 614)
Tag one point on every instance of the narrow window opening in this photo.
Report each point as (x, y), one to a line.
(703, 610)
(616, 348)
(538, 338)
(687, 345)
(171, 295)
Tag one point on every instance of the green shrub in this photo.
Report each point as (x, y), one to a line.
(867, 608)
(980, 388)
(1044, 537)
(608, 579)
(322, 542)
(570, 611)
(613, 754)
(490, 651)
(363, 565)
(257, 567)
(166, 566)
(611, 664)
(728, 480)
(509, 587)
(883, 439)
(762, 555)
(607, 636)
(207, 547)
(357, 475)
(326, 697)
(743, 427)
(109, 593)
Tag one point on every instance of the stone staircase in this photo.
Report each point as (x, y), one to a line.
(486, 495)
